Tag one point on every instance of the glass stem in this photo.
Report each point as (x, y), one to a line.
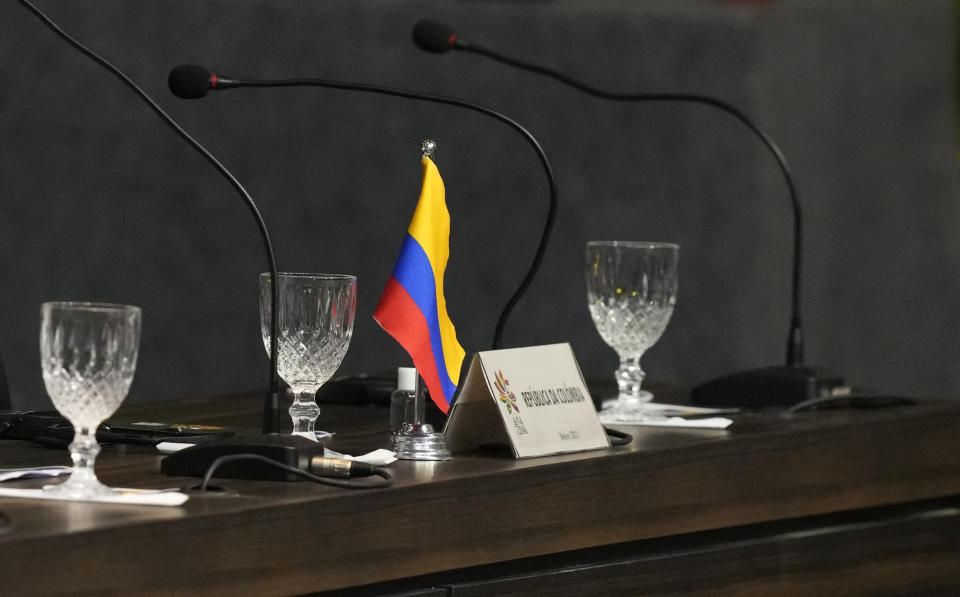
(304, 411)
(629, 378)
(83, 452)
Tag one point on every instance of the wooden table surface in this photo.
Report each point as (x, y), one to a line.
(480, 508)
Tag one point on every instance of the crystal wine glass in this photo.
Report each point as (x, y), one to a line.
(88, 353)
(631, 291)
(315, 324)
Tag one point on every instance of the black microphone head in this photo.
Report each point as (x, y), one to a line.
(433, 37)
(189, 81)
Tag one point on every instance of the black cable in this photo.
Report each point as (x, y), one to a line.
(618, 438)
(274, 296)
(369, 482)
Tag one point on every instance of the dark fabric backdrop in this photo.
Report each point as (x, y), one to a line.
(100, 201)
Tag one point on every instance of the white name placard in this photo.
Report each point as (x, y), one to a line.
(533, 399)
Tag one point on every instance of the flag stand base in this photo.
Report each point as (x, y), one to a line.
(420, 442)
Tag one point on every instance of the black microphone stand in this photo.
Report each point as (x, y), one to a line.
(5, 402)
(769, 386)
(271, 405)
(220, 83)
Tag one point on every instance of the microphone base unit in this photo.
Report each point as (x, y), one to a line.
(769, 387)
(291, 450)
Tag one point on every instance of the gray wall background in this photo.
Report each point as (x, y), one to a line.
(99, 201)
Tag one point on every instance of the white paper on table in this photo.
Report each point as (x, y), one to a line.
(137, 497)
(171, 447)
(315, 436)
(661, 421)
(685, 410)
(8, 474)
(377, 457)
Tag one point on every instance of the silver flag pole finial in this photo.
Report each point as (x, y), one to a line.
(428, 148)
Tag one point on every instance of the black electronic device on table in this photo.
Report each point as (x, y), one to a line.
(290, 450)
(52, 429)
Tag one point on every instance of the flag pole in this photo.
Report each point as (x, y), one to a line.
(417, 439)
(419, 402)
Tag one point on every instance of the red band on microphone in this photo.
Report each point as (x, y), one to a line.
(213, 81)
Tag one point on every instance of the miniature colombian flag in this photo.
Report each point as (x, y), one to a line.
(412, 308)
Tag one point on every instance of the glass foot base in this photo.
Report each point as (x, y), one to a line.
(79, 490)
(619, 409)
(420, 442)
(315, 436)
(636, 402)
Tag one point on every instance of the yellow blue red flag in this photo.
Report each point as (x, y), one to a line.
(412, 308)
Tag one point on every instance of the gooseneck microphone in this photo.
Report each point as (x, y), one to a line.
(271, 410)
(771, 385)
(191, 82)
